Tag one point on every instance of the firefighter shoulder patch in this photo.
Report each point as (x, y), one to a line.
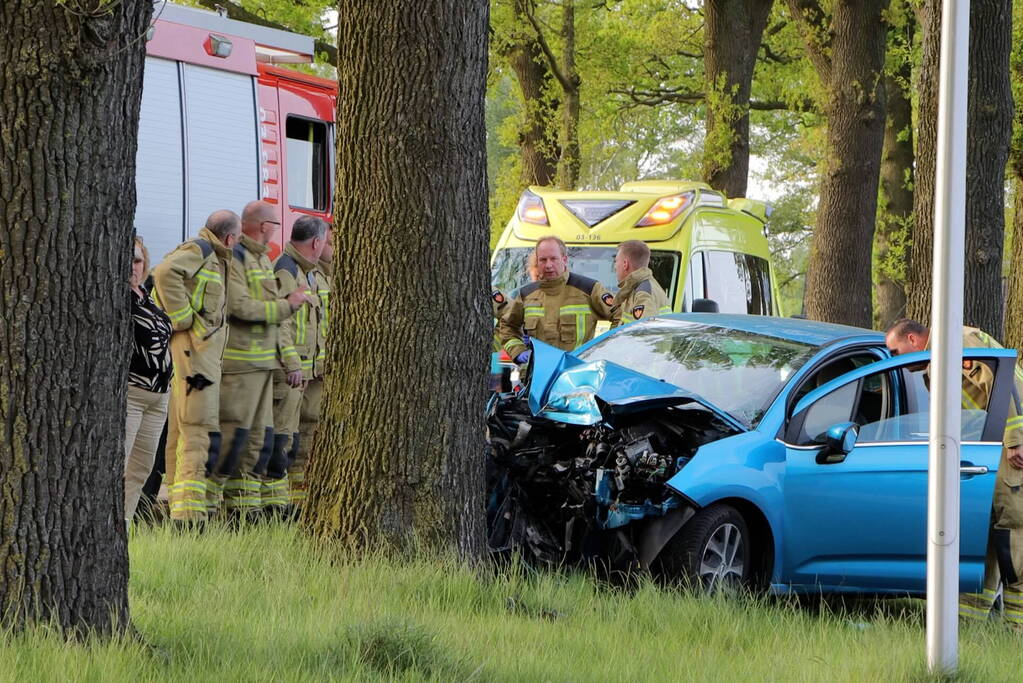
(497, 296)
(608, 299)
(637, 312)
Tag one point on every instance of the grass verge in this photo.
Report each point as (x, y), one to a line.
(263, 605)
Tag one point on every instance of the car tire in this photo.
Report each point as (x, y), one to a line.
(710, 553)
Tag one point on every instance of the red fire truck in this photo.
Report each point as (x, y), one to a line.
(222, 124)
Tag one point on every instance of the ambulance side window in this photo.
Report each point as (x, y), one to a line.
(308, 164)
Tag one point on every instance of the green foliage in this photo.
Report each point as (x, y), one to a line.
(264, 605)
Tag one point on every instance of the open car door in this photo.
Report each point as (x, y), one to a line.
(855, 486)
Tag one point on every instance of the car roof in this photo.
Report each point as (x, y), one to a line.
(794, 329)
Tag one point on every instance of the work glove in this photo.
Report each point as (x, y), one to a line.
(523, 357)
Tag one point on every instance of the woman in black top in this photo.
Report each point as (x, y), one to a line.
(148, 381)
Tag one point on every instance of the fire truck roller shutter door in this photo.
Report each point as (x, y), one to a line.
(159, 174)
(223, 155)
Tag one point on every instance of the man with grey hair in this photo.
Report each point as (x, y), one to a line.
(255, 310)
(560, 308)
(190, 286)
(299, 343)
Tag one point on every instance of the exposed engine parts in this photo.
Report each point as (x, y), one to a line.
(563, 493)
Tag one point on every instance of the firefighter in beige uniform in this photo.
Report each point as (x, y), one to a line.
(638, 295)
(560, 309)
(246, 398)
(1005, 544)
(298, 350)
(312, 395)
(190, 287)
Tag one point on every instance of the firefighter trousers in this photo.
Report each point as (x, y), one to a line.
(246, 421)
(1004, 564)
(286, 406)
(193, 425)
(309, 417)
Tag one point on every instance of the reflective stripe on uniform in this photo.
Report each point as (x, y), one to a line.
(532, 311)
(255, 355)
(178, 316)
(580, 311)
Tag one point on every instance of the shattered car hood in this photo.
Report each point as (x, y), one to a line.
(565, 388)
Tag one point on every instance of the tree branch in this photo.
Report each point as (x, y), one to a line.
(657, 96)
(816, 29)
(525, 7)
(241, 14)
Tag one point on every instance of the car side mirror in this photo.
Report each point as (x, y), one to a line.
(838, 442)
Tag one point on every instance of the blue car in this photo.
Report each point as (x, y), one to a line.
(769, 453)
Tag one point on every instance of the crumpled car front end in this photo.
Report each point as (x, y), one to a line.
(579, 459)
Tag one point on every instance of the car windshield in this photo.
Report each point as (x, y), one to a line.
(739, 372)
(508, 271)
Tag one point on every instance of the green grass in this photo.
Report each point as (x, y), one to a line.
(263, 606)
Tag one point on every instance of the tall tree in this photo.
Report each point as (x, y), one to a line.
(564, 70)
(989, 130)
(731, 41)
(400, 444)
(516, 42)
(1014, 300)
(846, 44)
(70, 89)
(925, 81)
(895, 213)
(989, 115)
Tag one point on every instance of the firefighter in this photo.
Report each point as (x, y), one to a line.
(298, 346)
(190, 287)
(1005, 543)
(639, 294)
(254, 312)
(560, 308)
(312, 394)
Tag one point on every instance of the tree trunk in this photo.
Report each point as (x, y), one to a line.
(850, 66)
(918, 290)
(1014, 308)
(733, 30)
(538, 139)
(896, 211)
(1014, 300)
(989, 123)
(989, 128)
(70, 89)
(568, 165)
(399, 450)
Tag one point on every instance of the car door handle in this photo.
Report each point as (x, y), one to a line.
(973, 469)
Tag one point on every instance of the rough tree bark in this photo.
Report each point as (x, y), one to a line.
(918, 286)
(733, 30)
(847, 48)
(399, 451)
(989, 128)
(895, 213)
(1014, 299)
(538, 140)
(70, 89)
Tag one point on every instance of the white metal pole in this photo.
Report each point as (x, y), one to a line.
(947, 343)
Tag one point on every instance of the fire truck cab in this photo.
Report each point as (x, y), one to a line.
(223, 124)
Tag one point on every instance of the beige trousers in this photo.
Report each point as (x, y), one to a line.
(147, 411)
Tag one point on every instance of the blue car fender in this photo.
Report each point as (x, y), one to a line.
(744, 466)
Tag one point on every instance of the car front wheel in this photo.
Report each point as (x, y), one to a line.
(711, 552)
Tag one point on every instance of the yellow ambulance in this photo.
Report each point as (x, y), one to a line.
(703, 245)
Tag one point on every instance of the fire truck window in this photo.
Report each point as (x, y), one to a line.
(307, 164)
